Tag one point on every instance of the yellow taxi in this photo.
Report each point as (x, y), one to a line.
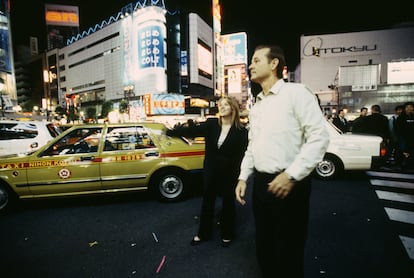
(103, 158)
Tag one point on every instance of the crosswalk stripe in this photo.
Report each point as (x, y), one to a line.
(400, 215)
(408, 243)
(399, 184)
(393, 196)
(390, 175)
(386, 180)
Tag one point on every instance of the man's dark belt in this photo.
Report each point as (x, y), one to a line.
(266, 175)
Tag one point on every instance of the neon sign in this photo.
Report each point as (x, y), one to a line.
(53, 17)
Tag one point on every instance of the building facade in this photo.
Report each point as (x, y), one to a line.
(135, 57)
(357, 69)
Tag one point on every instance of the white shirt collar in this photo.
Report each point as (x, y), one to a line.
(274, 90)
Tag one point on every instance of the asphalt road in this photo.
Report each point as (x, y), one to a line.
(136, 236)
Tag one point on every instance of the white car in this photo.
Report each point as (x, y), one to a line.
(17, 137)
(347, 151)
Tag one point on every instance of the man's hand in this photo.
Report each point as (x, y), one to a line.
(281, 185)
(240, 191)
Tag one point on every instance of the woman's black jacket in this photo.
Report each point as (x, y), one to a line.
(223, 162)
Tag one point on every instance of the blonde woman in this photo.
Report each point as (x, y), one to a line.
(225, 144)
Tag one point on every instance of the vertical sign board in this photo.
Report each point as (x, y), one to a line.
(235, 63)
(34, 46)
(218, 55)
(234, 80)
(127, 50)
(144, 34)
(150, 47)
(183, 63)
(5, 44)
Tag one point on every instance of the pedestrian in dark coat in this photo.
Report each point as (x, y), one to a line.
(225, 144)
(376, 124)
(341, 122)
(404, 126)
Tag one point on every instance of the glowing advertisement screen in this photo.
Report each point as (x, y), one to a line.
(234, 80)
(5, 44)
(150, 47)
(235, 48)
(164, 104)
(61, 15)
(5, 63)
(183, 63)
(145, 50)
(205, 60)
(400, 72)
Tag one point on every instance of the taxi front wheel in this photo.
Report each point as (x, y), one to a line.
(6, 198)
(169, 185)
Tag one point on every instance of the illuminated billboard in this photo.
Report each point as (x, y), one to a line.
(62, 15)
(150, 47)
(236, 81)
(400, 72)
(145, 50)
(216, 16)
(235, 48)
(5, 57)
(200, 47)
(5, 43)
(183, 63)
(164, 104)
(205, 56)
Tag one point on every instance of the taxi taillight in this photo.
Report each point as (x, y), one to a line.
(383, 151)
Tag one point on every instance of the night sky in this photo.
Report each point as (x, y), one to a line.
(281, 22)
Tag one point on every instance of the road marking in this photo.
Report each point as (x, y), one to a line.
(393, 196)
(385, 179)
(399, 184)
(390, 175)
(408, 243)
(400, 215)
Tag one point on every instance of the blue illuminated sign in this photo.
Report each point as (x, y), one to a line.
(150, 47)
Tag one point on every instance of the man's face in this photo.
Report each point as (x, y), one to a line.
(260, 68)
(364, 112)
(409, 109)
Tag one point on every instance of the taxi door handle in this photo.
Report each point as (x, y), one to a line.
(85, 158)
(148, 154)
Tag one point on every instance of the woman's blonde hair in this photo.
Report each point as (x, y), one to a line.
(235, 110)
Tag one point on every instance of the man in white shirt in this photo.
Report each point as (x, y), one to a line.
(287, 138)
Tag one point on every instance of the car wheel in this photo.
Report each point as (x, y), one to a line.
(6, 198)
(168, 185)
(329, 168)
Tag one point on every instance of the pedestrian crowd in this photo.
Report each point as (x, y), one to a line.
(396, 131)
